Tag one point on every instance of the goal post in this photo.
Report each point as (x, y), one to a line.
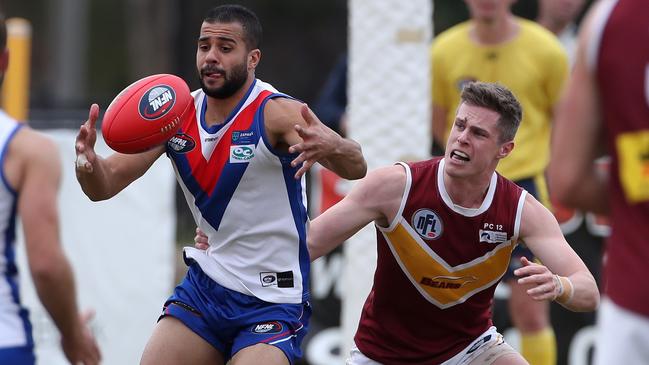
(389, 115)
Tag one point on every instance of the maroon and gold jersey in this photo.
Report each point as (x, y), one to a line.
(620, 56)
(438, 267)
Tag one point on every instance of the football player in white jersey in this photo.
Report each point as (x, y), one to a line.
(246, 299)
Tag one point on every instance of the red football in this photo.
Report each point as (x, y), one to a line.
(147, 113)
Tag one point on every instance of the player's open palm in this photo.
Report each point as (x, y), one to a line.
(85, 142)
(318, 142)
(542, 283)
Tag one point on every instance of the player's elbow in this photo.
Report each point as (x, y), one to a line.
(45, 270)
(94, 194)
(358, 172)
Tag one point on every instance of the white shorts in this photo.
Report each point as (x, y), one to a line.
(484, 350)
(622, 336)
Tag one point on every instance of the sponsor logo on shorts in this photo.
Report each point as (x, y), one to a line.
(279, 279)
(447, 282)
(181, 143)
(156, 102)
(427, 223)
(267, 327)
(242, 153)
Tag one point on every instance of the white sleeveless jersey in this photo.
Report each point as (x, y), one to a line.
(15, 329)
(244, 196)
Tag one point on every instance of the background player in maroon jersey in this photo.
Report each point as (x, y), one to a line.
(432, 293)
(607, 104)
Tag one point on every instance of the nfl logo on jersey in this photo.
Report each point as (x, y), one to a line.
(427, 224)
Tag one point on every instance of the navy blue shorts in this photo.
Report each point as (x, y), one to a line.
(23, 355)
(521, 250)
(231, 321)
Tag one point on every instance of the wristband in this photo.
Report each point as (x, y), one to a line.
(566, 289)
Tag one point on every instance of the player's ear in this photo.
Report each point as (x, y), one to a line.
(253, 58)
(505, 149)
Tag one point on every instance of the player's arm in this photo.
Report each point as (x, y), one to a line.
(562, 276)
(50, 269)
(577, 139)
(375, 198)
(293, 125)
(102, 178)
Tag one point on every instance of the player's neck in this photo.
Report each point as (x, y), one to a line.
(552, 24)
(495, 31)
(219, 109)
(467, 192)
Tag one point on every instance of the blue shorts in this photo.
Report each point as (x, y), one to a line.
(23, 355)
(532, 187)
(231, 321)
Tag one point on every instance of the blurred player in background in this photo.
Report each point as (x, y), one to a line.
(558, 16)
(606, 109)
(496, 46)
(246, 298)
(31, 174)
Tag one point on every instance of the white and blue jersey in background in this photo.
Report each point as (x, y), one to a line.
(15, 328)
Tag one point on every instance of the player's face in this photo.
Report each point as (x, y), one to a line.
(474, 147)
(488, 10)
(223, 60)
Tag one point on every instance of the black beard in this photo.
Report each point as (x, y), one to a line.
(232, 82)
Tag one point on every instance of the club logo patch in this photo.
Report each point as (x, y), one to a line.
(242, 153)
(181, 143)
(157, 102)
(427, 223)
(279, 279)
(267, 328)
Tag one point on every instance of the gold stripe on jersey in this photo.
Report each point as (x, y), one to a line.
(436, 280)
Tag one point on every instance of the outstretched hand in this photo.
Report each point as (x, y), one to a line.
(544, 284)
(85, 141)
(81, 347)
(318, 142)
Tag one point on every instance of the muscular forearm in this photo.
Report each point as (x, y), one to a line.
(95, 184)
(56, 290)
(347, 161)
(580, 292)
